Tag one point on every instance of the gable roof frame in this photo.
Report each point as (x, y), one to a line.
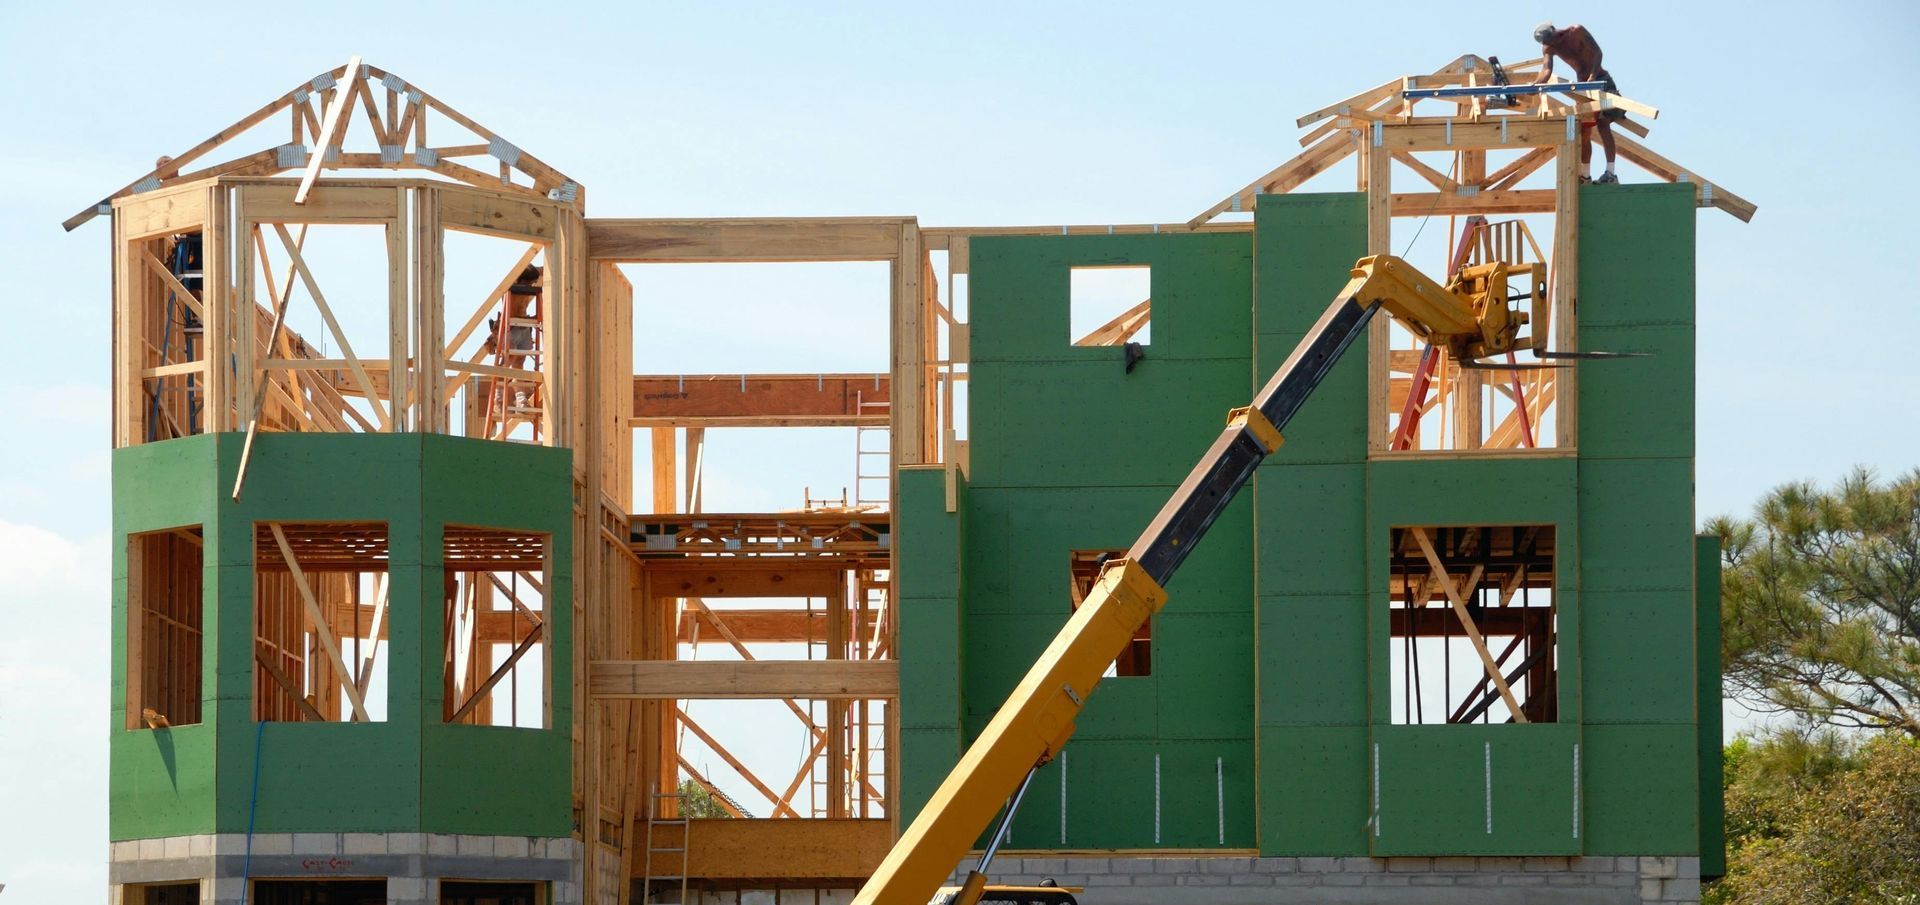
(320, 112)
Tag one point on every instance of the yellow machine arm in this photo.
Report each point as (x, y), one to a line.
(1471, 317)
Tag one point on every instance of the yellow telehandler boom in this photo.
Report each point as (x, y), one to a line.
(1472, 316)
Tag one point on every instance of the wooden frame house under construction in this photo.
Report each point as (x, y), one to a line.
(397, 621)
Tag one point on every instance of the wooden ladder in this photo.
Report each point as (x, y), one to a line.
(872, 468)
(686, 833)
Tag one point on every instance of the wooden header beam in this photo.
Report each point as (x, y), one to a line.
(761, 400)
(745, 240)
(707, 578)
(743, 679)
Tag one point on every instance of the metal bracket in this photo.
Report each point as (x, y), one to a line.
(503, 151)
(426, 157)
(393, 83)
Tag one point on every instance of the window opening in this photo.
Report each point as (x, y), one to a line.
(493, 598)
(1110, 306)
(1473, 625)
(321, 621)
(319, 892)
(469, 892)
(164, 635)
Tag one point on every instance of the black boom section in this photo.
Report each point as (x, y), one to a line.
(1230, 461)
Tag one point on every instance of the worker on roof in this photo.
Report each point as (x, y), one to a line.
(1576, 46)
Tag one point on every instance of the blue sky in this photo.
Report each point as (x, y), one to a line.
(981, 113)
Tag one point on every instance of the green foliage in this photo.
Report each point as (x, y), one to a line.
(698, 803)
(1815, 818)
(1821, 603)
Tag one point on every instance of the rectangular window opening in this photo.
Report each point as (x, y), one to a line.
(1083, 570)
(475, 892)
(321, 621)
(319, 892)
(1502, 591)
(494, 590)
(161, 894)
(1110, 306)
(1433, 403)
(164, 634)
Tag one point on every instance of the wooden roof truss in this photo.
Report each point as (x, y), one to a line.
(400, 116)
(1386, 116)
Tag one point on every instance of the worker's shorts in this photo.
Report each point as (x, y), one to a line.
(1612, 88)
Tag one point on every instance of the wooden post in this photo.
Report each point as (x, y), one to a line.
(429, 292)
(1377, 164)
(400, 398)
(215, 243)
(1566, 287)
(696, 464)
(663, 468)
(909, 352)
(837, 708)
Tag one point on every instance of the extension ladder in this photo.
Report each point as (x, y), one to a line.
(653, 820)
(509, 399)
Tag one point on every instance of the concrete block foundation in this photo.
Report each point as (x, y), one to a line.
(411, 863)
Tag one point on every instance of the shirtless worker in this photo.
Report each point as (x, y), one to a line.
(1575, 45)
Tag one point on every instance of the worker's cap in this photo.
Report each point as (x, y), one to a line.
(1544, 32)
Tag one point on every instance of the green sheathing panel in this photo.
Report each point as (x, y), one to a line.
(160, 783)
(1435, 781)
(1641, 691)
(1069, 452)
(1310, 512)
(1713, 803)
(1476, 790)
(926, 561)
(490, 779)
(343, 777)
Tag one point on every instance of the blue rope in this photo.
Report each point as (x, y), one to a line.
(253, 808)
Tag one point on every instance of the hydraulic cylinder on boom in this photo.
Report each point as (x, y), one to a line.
(1475, 315)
